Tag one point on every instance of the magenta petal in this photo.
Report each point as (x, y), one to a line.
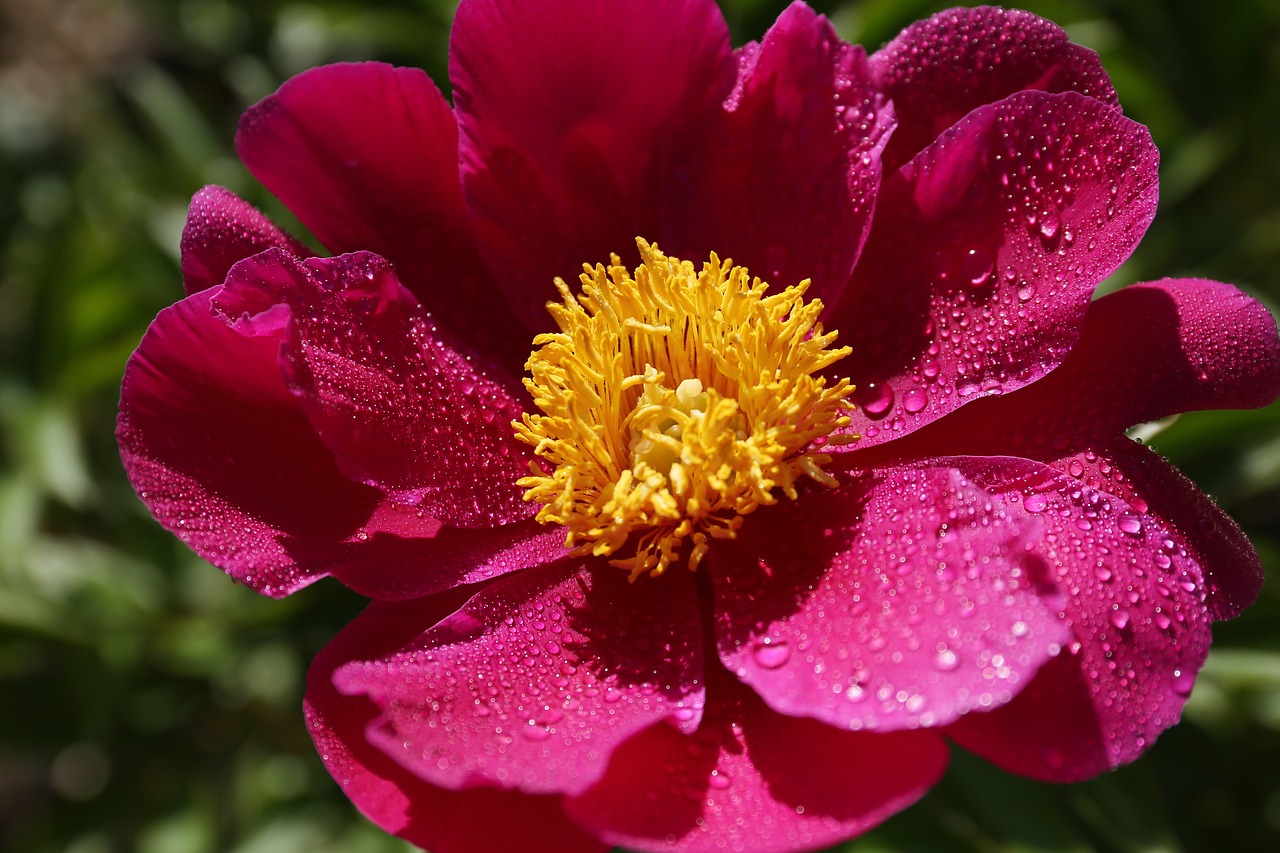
(223, 229)
(794, 163)
(574, 119)
(752, 779)
(939, 69)
(400, 409)
(393, 797)
(911, 600)
(537, 678)
(393, 558)
(367, 156)
(223, 456)
(1136, 602)
(1145, 352)
(985, 251)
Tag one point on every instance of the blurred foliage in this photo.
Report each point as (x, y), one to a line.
(151, 705)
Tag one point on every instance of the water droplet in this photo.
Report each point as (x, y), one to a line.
(1036, 503)
(976, 266)
(1183, 681)
(1131, 523)
(946, 660)
(535, 732)
(875, 399)
(772, 654)
(915, 400)
(1120, 618)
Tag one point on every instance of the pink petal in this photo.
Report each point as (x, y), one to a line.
(1145, 352)
(939, 69)
(790, 183)
(222, 455)
(393, 797)
(221, 230)
(985, 251)
(398, 555)
(1135, 600)
(367, 156)
(752, 779)
(909, 600)
(400, 409)
(537, 678)
(575, 118)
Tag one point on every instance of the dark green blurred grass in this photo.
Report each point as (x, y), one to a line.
(150, 705)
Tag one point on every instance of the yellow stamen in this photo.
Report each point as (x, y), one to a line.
(673, 404)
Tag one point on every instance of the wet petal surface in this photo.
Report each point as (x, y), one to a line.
(537, 678)
(737, 783)
(984, 253)
(223, 229)
(400, 409)
(908, 600)
(939, 69)
(1136, 602)
(392, 796)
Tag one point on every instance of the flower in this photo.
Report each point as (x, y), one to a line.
(930, 529)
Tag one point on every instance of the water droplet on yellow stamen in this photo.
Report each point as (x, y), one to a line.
(674, 403)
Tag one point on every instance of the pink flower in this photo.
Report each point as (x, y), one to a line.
(991, 562)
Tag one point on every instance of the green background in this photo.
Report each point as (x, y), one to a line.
(148, 704)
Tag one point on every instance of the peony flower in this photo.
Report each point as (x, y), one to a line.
(699, 560)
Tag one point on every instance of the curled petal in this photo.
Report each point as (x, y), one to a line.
(400, 409)
(910, 601)
(223, 229)
(1136, 603)
(223, 456)
(985, 251)
(367, 156)
(391, 795)
(536, 679)
(794, 162)
(569, 164)
(751, 778)
(939, 69)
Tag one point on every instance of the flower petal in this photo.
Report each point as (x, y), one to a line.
(790, 184)
(985, 251)
(750, 778)
(223, 229)
(222, 455)
(574, 117)
(400, 409)
(367, 156)
(910, 601)
(939, 69)
(393, 797)
(1145, 352)
(1136, 602)
(399, 555)
(537, 678)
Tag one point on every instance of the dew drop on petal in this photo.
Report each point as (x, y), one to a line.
(915, 400)
(1130, 523)
(946, 660)
(875, 399)
(771, 654)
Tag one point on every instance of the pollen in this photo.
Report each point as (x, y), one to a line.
(673, 403)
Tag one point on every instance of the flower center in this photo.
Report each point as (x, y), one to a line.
(673, 404)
